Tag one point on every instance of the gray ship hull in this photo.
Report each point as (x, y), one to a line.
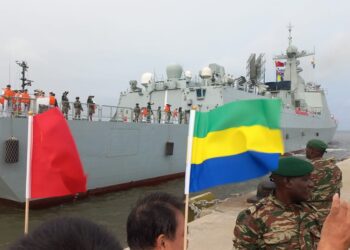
(117, 154)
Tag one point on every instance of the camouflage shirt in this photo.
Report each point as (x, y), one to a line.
(327, 179)
(270, 224)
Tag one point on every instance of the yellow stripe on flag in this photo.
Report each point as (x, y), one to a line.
(235, 141)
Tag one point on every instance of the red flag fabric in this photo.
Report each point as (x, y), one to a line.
(56, 169)
(279, 64)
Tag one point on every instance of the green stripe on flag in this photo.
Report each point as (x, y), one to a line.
(264, 112)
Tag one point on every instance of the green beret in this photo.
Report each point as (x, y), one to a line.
(293, 167)
(317, 144)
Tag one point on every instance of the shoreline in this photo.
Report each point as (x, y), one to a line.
(214, 229)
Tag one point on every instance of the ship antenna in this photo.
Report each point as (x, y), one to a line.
(290, 33)
(25, 81)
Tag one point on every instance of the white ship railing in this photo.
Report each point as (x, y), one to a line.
(17, 108)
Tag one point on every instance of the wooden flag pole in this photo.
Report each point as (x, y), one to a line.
(187, 198)
(29, 161)
(188, 171)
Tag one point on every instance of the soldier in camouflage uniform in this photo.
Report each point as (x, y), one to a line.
(137, 112)
(91, 107)
(65, 104)
(327, 177)
(282, 220)
(159, 114)
(181, 115)
(77, 108)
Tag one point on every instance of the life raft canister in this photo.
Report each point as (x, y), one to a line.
(11, 150)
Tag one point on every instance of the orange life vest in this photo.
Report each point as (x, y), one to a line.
(8, 93)
(144, 112)
(25, 98)
(52, 100)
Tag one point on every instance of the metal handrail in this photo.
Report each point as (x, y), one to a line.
(17, 108)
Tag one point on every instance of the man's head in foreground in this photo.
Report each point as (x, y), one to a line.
(68, 233)
(292, 179)
(156, 222)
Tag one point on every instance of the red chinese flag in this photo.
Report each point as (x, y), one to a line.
(56, 169)
(279, 64)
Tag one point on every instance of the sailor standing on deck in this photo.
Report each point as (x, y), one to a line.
(137, 112)
(168, 112)
(77, 108)
(159, 114)
(52, 100)
(91, 107)
(282, 220)
(149, 112)
(8, 94)
(327, 177)
(25, 99)
(181, 115)
(65, 104)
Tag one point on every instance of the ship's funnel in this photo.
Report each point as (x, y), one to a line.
(174, 71)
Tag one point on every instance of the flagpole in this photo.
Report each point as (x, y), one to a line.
(29, 160)
(188, 171)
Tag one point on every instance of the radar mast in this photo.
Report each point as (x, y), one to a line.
(25, 81)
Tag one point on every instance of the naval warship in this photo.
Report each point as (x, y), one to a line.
(119, 151)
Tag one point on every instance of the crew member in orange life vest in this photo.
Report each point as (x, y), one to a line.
(25, 99)
(53, 101)
(8, 94)
(168, 112)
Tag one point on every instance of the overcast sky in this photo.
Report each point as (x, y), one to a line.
(96, 47)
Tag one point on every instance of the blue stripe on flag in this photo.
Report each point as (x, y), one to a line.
(230, 169)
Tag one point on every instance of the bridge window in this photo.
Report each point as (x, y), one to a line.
(201, 93)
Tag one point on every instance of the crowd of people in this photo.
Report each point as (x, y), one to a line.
(166, 115)
(17, 103)
(303, 211)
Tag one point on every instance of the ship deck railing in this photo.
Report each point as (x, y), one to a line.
(101, 112)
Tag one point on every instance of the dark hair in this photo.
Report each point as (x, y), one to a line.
(69, 234)
(152, 216)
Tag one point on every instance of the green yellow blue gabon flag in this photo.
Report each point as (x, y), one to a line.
(235, 142)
